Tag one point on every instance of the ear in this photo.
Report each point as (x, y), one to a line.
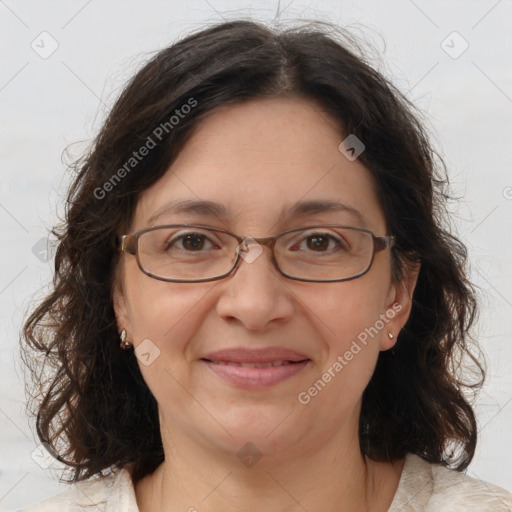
(120, 308)
(399, 304)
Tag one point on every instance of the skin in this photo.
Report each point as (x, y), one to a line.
(258, 158)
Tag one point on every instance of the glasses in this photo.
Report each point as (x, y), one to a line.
(190, 253)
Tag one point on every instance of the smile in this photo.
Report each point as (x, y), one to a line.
(254, 365)
(252, 376)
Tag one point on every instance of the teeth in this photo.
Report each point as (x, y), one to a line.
(254, 365)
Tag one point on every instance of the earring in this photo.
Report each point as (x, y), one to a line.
(390, 335)
(125, 345)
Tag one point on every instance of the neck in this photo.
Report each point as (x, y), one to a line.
(332, 477)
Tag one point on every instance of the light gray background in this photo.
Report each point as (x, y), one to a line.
(49, 103)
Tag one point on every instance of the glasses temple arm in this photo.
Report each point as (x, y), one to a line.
(127, 243)
(384, 242)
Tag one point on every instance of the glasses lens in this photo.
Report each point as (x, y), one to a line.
(185, 252)
(325, 253)
(191, 253)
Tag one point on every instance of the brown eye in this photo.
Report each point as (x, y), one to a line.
(318, 242)
(190, 242)
(193, 242)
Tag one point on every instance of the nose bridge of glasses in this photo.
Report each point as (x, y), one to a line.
(251, 248)
(245, 243)
(268, 241)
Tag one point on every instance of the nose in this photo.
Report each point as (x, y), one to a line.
(256, 294)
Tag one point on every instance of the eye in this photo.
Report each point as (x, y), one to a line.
(321, 242)
(190, 242)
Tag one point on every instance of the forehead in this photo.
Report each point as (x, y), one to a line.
(260, 158)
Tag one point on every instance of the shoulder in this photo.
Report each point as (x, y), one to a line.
(435, 488)
(455, 489)
(99, 494)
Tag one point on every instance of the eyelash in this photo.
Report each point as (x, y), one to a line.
(339, 242)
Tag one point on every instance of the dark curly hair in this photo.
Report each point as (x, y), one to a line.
(94, 408)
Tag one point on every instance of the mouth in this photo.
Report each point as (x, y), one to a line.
(253, 376)
(269, 364)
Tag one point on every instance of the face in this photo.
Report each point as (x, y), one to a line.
(257, 160)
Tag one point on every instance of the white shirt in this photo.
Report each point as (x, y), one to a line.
(423, 487)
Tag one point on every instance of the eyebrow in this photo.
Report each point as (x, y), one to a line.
(316, 206)
(298, 209)
(200, 207)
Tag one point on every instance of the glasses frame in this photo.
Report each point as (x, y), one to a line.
(129, 244)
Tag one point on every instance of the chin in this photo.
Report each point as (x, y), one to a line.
(266, 427)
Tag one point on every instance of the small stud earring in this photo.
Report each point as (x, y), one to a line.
(125, 345)
(390, 335)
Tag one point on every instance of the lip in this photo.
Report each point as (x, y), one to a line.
(255, 378)
(261, 355)
(227, 364)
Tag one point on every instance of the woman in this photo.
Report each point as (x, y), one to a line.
(256, 303)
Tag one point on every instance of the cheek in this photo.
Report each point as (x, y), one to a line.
(164, 312)
(350, 318)
(350, 349)
(168, 315)
(351, 307)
